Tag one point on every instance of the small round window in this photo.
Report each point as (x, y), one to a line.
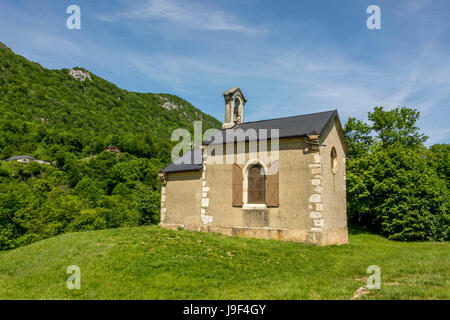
(333, 159)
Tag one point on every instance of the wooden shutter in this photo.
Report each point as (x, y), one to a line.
(272, 196)
(237, 186)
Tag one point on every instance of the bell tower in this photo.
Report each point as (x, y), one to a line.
(234, 107)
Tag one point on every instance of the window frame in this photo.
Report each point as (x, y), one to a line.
(333, 160)
(247, 167)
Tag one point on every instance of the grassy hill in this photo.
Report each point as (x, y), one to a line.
(154, 263)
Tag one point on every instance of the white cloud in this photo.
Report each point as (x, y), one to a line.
(279, 77)
(316, 81)
(187, 14)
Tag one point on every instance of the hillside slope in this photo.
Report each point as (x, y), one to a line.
(67, 118)
(42, 111)
(154, 263)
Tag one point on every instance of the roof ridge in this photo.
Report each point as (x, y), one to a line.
(300, 115)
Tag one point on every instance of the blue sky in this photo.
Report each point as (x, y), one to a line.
(288, 57)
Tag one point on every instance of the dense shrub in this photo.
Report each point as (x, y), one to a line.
(38, 201)
(393, 191)
(395, 186)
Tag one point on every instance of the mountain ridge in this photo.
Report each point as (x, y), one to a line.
(94, 109)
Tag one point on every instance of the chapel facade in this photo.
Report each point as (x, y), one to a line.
(273, 179)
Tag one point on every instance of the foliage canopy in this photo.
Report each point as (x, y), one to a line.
(395, 185)
(52, 116)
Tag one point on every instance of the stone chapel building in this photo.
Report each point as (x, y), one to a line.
(228, 186)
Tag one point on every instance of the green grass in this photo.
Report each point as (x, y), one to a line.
(154, 263)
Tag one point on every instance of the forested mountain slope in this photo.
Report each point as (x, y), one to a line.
(68, 118)
(43, 111)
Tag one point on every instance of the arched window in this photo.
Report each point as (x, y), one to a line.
(333, 159)
(237, 104)
(256, 185)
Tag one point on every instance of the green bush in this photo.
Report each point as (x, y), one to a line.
(396, 187)
(394, 192)
(44, 205)
(6, 237)
(148, 204)
(89, 219)
(4, 173)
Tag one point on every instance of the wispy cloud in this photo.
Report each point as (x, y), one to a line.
(414, 6)
(292, 65)
(186, 14)
(303, 81)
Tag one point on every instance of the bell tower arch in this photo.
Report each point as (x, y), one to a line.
(234, 107)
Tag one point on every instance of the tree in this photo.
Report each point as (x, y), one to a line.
(395, 186)
(393, 191)
(72, 168)
(148, 204)
(397, 126)
(440, 160)
(358, 136)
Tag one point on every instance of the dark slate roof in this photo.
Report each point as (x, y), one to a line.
(190, 161)
(297, 126)
(19, 158)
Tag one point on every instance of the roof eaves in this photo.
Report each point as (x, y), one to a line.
(182, 170)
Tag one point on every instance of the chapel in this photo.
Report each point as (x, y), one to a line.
(280, 178)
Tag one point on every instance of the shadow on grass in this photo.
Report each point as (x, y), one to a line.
(355, 230)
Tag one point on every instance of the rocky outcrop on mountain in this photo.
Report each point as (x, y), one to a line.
(80, 75)
(169, 105)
